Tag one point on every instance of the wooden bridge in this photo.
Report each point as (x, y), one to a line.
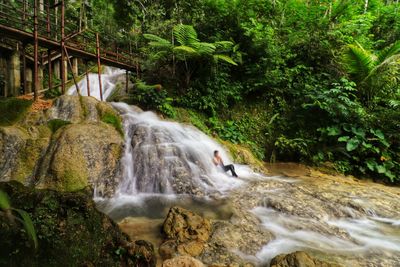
(48, 38)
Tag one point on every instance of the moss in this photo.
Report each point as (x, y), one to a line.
(12, 110)
(243, 155)
(108, 115)
(70, 231)
(85, 111)
(191, 117)
(73, 179)
(56, 124)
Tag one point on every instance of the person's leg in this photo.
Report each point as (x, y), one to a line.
(230, 168)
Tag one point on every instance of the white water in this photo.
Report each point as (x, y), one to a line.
(108, 81)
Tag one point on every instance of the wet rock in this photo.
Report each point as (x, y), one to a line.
(186, 233)
(67, 108)
(183, 261)
(183, 225)
(299, 259)
(70, 231)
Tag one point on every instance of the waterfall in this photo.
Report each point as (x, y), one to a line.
(168, 157)
(109, 79)
(163, 157)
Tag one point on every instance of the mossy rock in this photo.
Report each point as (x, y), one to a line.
(81, 155)
(243, 155)
(70, 232)
(12, 110)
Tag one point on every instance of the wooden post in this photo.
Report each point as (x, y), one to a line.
(63, 78)
(87, 79)
(50, 69)
(99, 65)
(73, 74)
(36, 51)
(48, 19)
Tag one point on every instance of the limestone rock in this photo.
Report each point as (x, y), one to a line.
(184, 225)
(183, 261)
(70, 231)
(82, 155)
(299, 259)
(187, 233)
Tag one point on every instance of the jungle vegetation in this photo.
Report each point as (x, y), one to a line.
(294, 80)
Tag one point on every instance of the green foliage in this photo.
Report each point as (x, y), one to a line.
(22, 216)
(52, 93)
(56, 124)
(12, 110)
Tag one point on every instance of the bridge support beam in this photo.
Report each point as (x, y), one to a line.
(29, 80)
(14, 74)
(75, 69)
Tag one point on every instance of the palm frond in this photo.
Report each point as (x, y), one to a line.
(186, 50)
(359, 62)
(225, 59)
(389, 52)
(186, 35)
(158, 42)
(204, 48)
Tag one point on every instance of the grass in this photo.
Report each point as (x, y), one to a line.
(12, 110)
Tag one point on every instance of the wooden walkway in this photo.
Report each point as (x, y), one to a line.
(42, 25)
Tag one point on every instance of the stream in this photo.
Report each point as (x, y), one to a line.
(335, 218)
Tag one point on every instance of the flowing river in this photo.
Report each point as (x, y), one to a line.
(165, 163)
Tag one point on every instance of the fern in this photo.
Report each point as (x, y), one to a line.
(224, 58)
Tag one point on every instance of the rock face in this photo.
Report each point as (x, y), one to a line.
(70, 231)
(299, 259)
(67, 147)
(186, 233)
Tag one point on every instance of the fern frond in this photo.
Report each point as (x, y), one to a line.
(185, 34)
(359, 62)
(225, 59)
(389, 52)
(185, 49)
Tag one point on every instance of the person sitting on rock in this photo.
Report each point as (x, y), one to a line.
(218, 162)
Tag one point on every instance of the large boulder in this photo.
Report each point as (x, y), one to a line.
(70, 232)
(299, 259)
(77, 142)
(81, 155)
(186, 233)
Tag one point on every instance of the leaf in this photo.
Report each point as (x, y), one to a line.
(225, 58)
(381, 169)
(4, 202)
(28, 224)
(371, 164)
(378, 133)
(343, 138)
(352, 144)
(333, 131)
(186, 35)
(185, 49)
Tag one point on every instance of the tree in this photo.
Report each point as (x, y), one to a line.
(189, 48)
(374, 73)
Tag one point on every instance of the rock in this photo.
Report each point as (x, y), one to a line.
(183, 225)
(82, 155)
(75, 144)
(143, 253)
(186, 232)
(299, 259)
(70, 232)
(183, 261)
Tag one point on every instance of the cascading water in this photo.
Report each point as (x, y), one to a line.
(166, 163)
(109, 79)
